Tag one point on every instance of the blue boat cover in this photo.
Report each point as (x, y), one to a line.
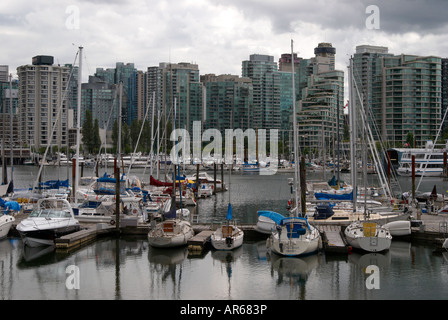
(330, 196)
(274, 216)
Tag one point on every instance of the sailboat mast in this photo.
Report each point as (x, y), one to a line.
(353, 135)
(294, 118)
(78, 125)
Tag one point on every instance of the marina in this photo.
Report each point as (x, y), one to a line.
(129, 244)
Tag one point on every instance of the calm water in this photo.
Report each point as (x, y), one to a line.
(128, 268)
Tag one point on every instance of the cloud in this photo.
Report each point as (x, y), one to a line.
(217, 35)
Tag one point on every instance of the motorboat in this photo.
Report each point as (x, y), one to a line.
(399, 228)
(267, 221)
(170, 233)
(6, 222)
(368, 236)
(294, 236)
(50, 219)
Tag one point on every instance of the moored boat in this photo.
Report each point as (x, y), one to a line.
(368, 236)
(51, 219)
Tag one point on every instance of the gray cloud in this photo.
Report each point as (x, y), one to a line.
(396, 16)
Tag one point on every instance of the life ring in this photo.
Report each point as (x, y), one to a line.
(134, 211)
(112, 222)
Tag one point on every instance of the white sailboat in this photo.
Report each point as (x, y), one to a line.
(294, 236)
(174, 231)
(228, 236)
(362, 234)
(368, 236)
(6, 222)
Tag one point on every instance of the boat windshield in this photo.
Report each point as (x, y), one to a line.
(46, 213)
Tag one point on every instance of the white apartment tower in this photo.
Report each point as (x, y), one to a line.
(43, 103)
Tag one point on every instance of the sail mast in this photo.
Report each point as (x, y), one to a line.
(78, 125)
(294, 117)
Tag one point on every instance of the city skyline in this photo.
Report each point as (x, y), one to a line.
(215, 36)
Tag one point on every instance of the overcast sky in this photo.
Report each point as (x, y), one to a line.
(215, 34)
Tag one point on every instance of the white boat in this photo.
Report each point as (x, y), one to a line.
(51, 219)
(183, 212)
(267, 221)
(399, 228)
(228, 236)
(428, 160)
(6, 222)
(170, 233)
(368, 236)
(294, 236)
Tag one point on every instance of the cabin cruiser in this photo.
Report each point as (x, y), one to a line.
(50, 219)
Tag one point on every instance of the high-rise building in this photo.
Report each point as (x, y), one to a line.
(182, 89)
(407, 98)
(8, 97)
(127, 74)
(4, 73)
(43, 103)
(266, 91)
(228, 102)
(285, 62)
(320, 100)
(100, 98)
(320, 111)
(326, 50)
(444, 91)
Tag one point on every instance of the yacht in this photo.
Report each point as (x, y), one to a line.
(428, 160)
(51, 219)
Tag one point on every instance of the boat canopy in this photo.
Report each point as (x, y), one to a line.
(333, 196)
(274, 216)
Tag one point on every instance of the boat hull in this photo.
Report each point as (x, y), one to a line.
(232, 241)
(175, 236)
(290, 240)
(45, 237)
(369, 237)
(399, 228)
(5, 225)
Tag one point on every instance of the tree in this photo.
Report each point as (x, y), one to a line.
(96, 141)
(87, 129)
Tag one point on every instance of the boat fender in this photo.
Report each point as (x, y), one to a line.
(349, 250)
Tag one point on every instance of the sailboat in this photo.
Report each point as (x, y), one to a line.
(362, 234)
(228, 236)
(294, 236)
(174, 231)
(368, 236)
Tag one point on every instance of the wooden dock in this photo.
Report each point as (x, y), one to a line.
(199, 241)
(84, 236)
(333, 239)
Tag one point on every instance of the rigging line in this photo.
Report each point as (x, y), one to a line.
(373, 148)
(138, 139)
(432, 149)
(105, 138)
(55, 123)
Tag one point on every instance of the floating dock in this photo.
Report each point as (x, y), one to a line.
(433, 230)
(333, 240)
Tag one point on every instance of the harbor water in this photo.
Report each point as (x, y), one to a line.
(128, 268)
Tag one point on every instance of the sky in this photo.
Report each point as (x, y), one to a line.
(217, 35)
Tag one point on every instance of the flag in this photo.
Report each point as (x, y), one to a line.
(229, 212)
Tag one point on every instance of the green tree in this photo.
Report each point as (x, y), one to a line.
(96, 143)
(87, 129)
